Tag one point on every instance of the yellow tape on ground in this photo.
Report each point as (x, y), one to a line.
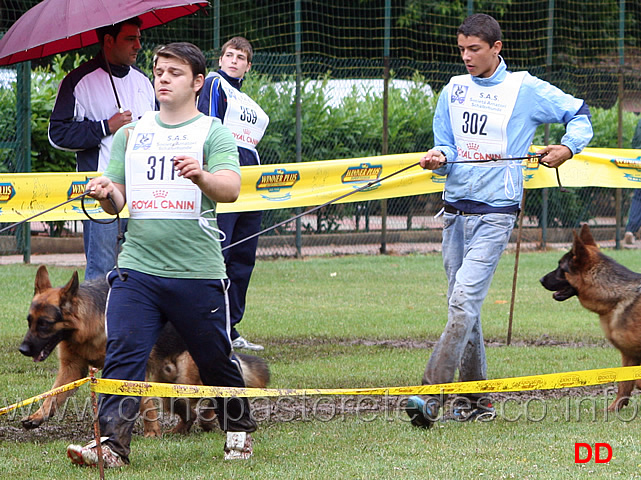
(267, 187)
(42, 396)
(534, 382)
(548, 381)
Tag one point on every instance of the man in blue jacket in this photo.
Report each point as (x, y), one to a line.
(221, 97)
(86, 115)
(490, 113)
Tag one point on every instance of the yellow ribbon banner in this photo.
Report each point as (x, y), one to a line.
(535, 382)
(548, 381)
(42, 396)
(267, 187)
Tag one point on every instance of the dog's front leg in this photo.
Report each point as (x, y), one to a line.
(149, 414)
(69, 372)
(625, 388)
(623, 395)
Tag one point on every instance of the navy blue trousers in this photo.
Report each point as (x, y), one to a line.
(137, 309)
(240, 260)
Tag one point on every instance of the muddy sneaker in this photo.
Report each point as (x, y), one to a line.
(241, 342)
(422, 413)
(628, 238)
(88, 455)
(466, 409)
(238, 446)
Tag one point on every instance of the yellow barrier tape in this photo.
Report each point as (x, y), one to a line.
(42, 396)
(267, 187)
(534, 382)
(548, 381)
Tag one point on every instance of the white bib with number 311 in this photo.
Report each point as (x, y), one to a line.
(154, 189)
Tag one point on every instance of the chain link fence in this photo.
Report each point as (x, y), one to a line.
(341, 56)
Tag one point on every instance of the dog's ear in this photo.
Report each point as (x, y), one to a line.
(579, 252)
(70, 289)
(42, 280)
(586, 235)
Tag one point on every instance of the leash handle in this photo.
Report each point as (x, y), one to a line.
(121, 235)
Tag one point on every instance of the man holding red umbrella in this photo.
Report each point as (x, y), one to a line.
(93, 102)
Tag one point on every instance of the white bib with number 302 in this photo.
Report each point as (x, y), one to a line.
(479, 117)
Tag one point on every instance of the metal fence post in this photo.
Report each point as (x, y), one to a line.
(23, 134)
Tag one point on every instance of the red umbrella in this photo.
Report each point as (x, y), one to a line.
(56, 26)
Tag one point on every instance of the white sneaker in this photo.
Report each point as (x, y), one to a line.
(88, 455)
(240, 342)
(238, 446)
(628, 238)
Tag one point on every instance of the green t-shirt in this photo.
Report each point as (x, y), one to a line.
(175, 248)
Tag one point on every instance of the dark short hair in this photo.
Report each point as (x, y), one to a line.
(483, 26)
(239, 43)
(114, 29)
(185, 52)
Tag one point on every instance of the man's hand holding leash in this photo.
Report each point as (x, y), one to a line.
(102, 188)
(433, 159)
(555, 155)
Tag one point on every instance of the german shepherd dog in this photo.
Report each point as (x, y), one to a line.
(72, 318)
(608, 288)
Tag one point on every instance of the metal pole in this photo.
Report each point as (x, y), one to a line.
(385, 145)
(23, 104)
(549, 59)
(216, 28)
(299, 116)
(618, 193)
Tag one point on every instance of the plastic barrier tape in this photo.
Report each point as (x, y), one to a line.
(535, 382)
(548, 381)
(42, 396)
(288, 185)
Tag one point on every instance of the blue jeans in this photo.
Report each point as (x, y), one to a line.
(472, 248)
(634, 214)
(239, 260)
(101, 247)
(137, 309)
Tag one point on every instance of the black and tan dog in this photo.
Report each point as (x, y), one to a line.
(72, 318)
(608, 288)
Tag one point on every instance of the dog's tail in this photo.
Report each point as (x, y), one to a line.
(255, 370)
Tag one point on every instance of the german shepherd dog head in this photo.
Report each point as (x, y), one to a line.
(607, 288)
(57, 314)
(72, 318)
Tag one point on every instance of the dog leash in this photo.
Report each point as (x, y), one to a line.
(538, 156)
(82, 195)
(318, 207)
(121, 236)
(374, 182)
(284, 222)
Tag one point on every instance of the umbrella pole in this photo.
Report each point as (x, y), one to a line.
(111, 79)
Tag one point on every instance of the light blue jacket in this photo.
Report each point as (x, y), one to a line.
(538, 102)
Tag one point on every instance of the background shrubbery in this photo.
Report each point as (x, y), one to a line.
(352, 130)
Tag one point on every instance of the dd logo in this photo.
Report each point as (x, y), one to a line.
(578, 447)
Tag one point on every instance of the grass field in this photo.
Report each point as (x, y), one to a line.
(361, 321)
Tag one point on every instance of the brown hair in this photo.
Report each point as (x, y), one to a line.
(239, 43)
(185, 52)
(483, 26)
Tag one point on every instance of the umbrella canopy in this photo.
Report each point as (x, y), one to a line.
(56, 26)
